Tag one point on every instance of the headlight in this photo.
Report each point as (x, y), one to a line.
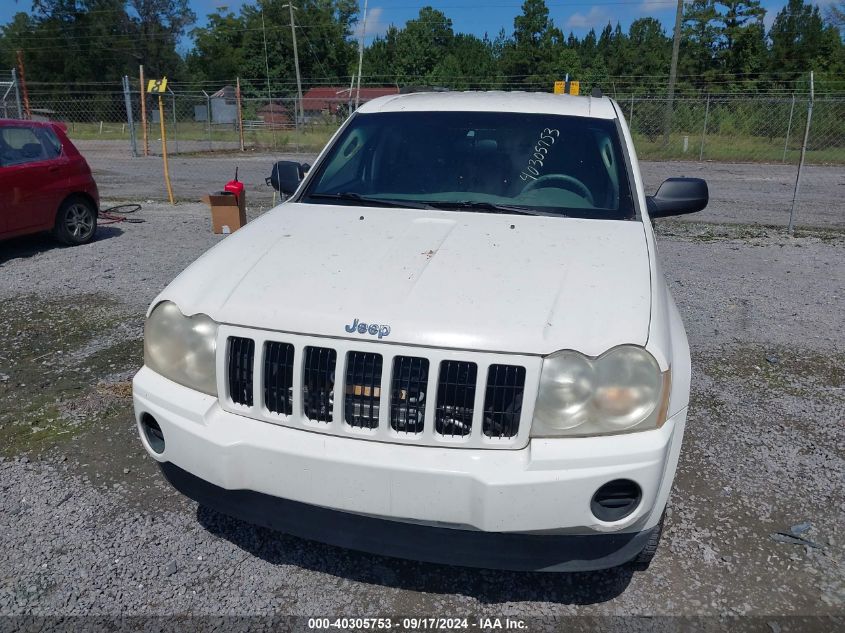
(621, 390)
(181, 348)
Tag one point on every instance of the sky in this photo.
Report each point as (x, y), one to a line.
(478, 16)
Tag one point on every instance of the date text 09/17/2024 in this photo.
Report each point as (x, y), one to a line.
(418, 624)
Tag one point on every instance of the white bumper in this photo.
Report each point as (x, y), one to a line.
(543, 488)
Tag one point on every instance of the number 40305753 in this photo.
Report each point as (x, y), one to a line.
(535, 164)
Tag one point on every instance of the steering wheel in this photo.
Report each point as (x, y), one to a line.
(547, 180)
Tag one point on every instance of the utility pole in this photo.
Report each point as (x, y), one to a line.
(673, 72)
(361, 55)
(267, 70)
(296, 61)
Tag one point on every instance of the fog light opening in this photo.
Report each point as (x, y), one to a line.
(615, 500)
(152, 433)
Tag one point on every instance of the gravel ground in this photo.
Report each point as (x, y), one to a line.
(88, 527)
(739, 193)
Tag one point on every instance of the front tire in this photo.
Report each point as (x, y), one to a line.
(76, 222)
(644, 558)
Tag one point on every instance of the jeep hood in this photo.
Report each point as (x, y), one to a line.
(465, 280)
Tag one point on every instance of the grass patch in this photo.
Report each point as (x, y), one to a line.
(311, 138)
(712, 232)
(733, 149)
(53, 360)
(786, 370)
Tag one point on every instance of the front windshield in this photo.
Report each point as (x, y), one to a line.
(478, 161)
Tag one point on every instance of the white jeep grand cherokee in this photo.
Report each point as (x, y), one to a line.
(452, 343)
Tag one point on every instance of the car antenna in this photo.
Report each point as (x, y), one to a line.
(596, 92)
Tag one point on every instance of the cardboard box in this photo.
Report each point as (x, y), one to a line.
(228, 213)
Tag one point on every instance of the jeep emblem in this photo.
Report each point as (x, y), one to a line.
(372, 329)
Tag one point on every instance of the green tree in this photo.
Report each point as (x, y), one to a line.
(421, 45)
(234, 45)
(158, 26)
(801, 41)
(469, 65)
(699, 43)
(649, 52)
(76, 41)
(742, 47)
(537, 54)
(218, 53)
(836, 15)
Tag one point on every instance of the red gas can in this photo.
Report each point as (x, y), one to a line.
(235, 187)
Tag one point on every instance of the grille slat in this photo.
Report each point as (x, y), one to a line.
(503, 401)
(299, 382)
(318, 383)
(455, 398)
(363, 389)
(409, 385)
(241, 355)
(278, 377)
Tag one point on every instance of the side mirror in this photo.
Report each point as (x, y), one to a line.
(677, 196)
(286, 176)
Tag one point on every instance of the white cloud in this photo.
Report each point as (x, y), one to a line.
(769, 18)
(650, 7)
(597, 16)
(375, 25)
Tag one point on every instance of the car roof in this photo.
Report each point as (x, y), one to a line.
(25, 123)
(494, 101)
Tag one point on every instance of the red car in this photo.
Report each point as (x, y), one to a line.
(45, 183)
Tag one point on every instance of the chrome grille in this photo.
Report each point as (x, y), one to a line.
(363, 389)
(318, 383)
(278, 377)
(455, 397)
(241, 353)
(503, 400)
(387, 392)
(408, 388)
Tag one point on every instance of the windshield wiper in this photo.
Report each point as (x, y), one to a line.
(383, 202)
(489, 207)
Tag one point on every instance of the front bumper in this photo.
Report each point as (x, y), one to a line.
(544, 489)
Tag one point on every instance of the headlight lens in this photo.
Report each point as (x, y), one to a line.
(621, 390)
(181, 348)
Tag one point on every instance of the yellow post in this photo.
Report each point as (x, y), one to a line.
(164, 148)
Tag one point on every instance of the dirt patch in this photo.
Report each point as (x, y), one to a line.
(794, 372)
(66, 391)
(753, 234)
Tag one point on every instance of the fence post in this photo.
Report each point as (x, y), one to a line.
(788, 128)
(240, 113)
(175, 126)
(17, 93)
(144, 111)
(26, 107)
(129, 118)
(208, 120)
(791, 227)
(704, 131)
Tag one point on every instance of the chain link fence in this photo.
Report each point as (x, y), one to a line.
(737, 129)
(209, 133)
